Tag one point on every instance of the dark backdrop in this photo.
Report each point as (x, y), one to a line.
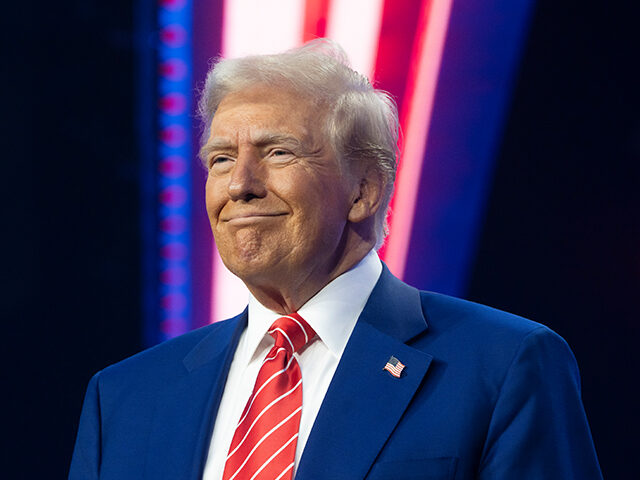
(71, 283)
(561, 238)
(560, 244)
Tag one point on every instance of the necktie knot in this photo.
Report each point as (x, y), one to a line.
(291, 332)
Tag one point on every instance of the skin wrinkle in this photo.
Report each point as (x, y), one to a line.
(288, 217)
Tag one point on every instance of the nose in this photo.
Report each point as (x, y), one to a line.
(247, 179)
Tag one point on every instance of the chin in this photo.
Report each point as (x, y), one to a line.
(250, 253)
(247, 264)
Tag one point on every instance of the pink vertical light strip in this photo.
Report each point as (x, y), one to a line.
(355, 25)
(416, 122)
(253, 27)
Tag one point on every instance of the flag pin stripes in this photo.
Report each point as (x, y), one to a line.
(394, 366)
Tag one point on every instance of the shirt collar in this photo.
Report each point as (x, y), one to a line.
(332, 312)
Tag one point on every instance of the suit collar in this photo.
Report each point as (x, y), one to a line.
(364, 402)
(224, 336)
(395, 308)
(186, 408)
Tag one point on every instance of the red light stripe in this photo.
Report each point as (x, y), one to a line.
(316, 13)
(397, 39)
(415, 123)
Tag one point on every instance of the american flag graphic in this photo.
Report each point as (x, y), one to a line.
(394, 367)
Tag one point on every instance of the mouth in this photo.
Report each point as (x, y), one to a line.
(251, 217)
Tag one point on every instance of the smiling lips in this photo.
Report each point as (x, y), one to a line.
(250, 217)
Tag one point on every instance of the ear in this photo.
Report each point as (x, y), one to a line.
(367, 196)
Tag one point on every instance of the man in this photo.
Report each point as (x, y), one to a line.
(336, 369)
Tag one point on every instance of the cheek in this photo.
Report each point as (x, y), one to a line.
(323, 214)
(213, 197)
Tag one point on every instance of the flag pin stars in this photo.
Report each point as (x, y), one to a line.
(394, 366)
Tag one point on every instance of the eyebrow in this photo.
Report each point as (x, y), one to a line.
(261, 139)
(216, 144)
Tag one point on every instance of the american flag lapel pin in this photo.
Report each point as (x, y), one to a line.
(394, 366)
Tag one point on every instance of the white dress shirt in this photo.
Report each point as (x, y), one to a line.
(332, 313)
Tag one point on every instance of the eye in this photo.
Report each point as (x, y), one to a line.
(220, 162)
(280, 154)
(218, 159)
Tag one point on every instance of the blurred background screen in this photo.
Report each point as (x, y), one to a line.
(518, 182)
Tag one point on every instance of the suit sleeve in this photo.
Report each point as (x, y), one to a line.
(538, 428)
(85, 463)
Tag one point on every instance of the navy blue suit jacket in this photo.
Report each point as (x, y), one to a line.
(484, 395)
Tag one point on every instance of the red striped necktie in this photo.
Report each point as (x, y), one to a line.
(264, 443)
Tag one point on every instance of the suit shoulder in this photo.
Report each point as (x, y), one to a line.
(485, 331)
(484, 343)
(443, 311)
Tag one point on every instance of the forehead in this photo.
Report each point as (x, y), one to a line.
(251, 111)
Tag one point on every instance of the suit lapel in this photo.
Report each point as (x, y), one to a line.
(186, 408)
(364, 402)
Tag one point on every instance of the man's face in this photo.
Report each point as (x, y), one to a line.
(277, 196)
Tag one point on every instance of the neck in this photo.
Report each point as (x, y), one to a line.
(288, 293)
